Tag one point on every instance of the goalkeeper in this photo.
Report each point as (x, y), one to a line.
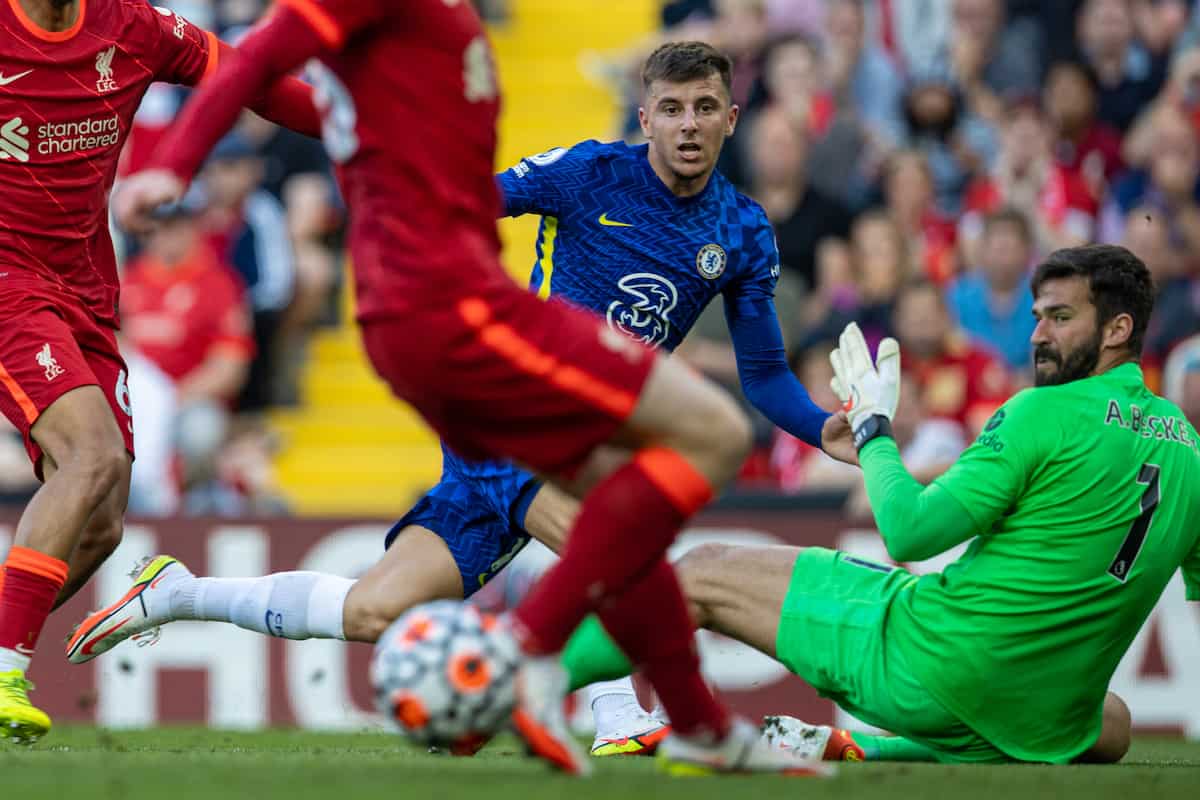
(1081, 496)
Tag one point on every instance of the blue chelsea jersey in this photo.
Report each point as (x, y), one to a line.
(613, 238)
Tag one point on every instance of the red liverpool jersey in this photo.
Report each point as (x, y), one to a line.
(409, 100)
(66, 102)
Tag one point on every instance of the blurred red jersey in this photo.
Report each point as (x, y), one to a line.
(409, 102)
(409, 99)
(66, 102)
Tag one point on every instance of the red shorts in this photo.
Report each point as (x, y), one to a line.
(499, 373)
(49, 345)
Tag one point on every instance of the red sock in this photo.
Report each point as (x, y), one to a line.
(662, 645)
(624, 527)
(31, 582)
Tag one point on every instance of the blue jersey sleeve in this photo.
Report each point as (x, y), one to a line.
(766, 379)
(542, 184)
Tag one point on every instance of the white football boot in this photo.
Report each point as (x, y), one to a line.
(137, 615)
(811, 741)
(742, 751)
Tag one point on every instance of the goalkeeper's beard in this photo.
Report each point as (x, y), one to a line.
(1078, 364)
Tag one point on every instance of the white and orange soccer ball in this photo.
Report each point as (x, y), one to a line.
(440, 676)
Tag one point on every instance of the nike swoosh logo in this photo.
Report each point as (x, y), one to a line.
(604, 220)
(23, 650)
(5, 80)
(87, 648)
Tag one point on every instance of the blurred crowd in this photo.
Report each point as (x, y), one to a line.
(917, 158)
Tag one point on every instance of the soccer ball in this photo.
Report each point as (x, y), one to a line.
(443, 678)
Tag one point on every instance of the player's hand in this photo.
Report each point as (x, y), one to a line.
(837, 438)
(867, 389)
(139, 195)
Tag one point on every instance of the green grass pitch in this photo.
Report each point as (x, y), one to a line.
(186, 763)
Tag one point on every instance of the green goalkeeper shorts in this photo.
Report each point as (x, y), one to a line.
(833, 633)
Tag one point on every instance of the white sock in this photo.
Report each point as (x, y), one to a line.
(610, 699)
(293, 605)
(11, 659)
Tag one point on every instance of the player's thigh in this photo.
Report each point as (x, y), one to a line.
(550, 516)
(417, 568)
(738, 591)
(48, 389)
(501, 374)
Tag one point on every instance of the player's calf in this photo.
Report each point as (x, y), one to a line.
(1116, 733)
(417, 568)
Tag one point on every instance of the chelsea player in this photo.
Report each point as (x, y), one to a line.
(646, 236)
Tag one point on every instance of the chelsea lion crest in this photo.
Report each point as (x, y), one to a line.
(710, 261)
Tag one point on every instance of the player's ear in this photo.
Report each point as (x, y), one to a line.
(1117, 331)
(644, 120)
(731, 123)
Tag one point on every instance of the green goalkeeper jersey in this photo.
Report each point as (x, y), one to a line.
(1084, 499)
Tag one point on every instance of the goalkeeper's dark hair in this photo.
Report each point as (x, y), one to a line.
(1118, 281)
(679, 62)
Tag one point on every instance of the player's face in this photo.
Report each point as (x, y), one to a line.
(686, 125)
(1067, 339)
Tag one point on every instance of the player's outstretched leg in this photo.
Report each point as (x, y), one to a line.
(294, 605)
(623, 727)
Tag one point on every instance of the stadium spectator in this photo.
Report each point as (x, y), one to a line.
(1026, 176)
(859, 282)
(1083, 145)
(184, 310)
(1181, 378)
(929, 236)
(801, 214)
(955, 142)
(957, 379)
(1129, 74)
(1169, 184)
(862, 75)
(1177, 302)
(248, 228)
(992, 302)
(991, 57)
(1180, 95)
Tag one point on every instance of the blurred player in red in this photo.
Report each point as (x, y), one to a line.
(72, 73)
(410, 101)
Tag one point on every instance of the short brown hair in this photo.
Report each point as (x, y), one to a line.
(678, 62)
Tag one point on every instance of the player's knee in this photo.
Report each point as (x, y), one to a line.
(101, 467)
(721, 438)
(697, 570)
(364, 617)
(101, 537)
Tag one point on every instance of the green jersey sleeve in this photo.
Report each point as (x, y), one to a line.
(995, 470)
(915, 521)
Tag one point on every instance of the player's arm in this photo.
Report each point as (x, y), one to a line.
(287, 101)
(294, 32)
(768, 383)
(188, 55)
(534, 185)
(918, 522)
